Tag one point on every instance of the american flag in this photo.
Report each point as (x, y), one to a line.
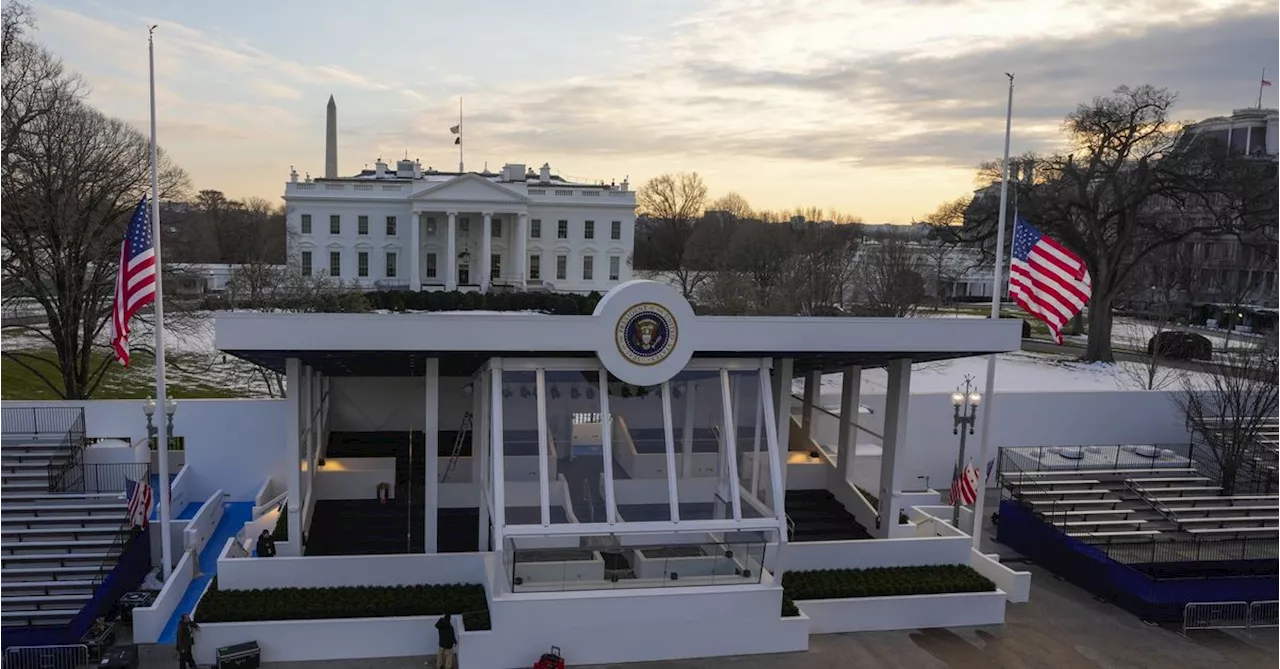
(140, 501)
(135, 281)
(964, 490)
(1048, 281)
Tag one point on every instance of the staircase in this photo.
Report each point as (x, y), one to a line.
(818, 516)
(54, 547)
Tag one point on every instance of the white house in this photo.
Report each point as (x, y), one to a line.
(416, 229)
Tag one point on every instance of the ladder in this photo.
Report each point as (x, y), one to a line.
(464, 433)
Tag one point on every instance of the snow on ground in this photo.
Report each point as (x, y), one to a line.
(1019, 371)
(1132, 333)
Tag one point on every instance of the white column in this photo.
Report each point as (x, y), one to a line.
(304, 446)
(897, 398)
(606, 429)
(812, 396)
(686, 434)
(415, 251)
(431, 451)
(293, 388)
(673, 497)
(776, 447)
(318, 406)
(486, 251)
(544, 486)
(493, 409)
(850, 400)
(729, 439)
(480, 455)
(521, 234)
(782, 413)
(451, 253)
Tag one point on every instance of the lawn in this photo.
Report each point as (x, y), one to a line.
(134, 382)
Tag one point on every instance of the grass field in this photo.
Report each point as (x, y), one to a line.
(134, 382)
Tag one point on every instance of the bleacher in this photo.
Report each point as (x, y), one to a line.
(55, 546)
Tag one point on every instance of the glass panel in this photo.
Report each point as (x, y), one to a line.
(751, 444)
(575, 447)
(698, 405)
(546, 564)
(640, 488)
(520, 448)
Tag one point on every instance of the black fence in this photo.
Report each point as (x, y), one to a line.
(102, 478)
(42, 423)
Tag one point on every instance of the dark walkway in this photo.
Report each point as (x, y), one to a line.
(819, 516)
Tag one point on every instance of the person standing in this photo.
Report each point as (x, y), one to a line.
(266, 546)
(186, 642)
(448, 640)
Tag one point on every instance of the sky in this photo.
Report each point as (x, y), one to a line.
(877, 108)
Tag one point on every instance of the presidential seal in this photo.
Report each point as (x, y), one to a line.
(646, 334)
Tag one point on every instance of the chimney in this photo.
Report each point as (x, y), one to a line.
(331, 140)
(404, 169)
(293, 175)
(544, 174)
(626, 183)
(379, 169)
(513, 172)
(417, 169)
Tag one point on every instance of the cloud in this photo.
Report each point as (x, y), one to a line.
(272, 89)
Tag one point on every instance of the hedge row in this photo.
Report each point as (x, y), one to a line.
(883, 582)
(227, 606)
(564, 304)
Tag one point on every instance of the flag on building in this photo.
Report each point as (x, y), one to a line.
(140, 501)
(135, 280)
(1266, 83)
(964, 489)
(1045, 279)
(456, 129)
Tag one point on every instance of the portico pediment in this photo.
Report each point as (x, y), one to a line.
(469, 188)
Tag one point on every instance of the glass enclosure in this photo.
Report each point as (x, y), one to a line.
(606, 484)
(637, 561)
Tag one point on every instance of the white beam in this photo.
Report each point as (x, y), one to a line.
(686, 435)
(494, 411)
(431, 451)
(812, 396)
(729, 437)
(850, 401)
(293, 389)
(781, 408)
(776, 448)
(893, 452)
(668, 434)
(606, 434)
(544, 486)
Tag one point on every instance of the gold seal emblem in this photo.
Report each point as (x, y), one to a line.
(646, 334)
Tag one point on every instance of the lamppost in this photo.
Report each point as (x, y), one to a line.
(965, 408)
(149, 408)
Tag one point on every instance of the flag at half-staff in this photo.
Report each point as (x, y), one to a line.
(1045, 279)
(135, 280)
(140, 501)
(964, 488)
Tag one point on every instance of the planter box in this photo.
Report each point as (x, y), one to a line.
(870, 614)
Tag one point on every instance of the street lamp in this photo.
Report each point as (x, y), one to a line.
(149, 408)
(965, 413)
(170, 407)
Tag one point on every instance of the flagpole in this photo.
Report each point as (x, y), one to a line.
(162, 427)
(1262, 79)
(995, 314)
(460, 167)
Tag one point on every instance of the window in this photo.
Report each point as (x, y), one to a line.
(562, 230)
(589, 230)
(306, 224)
(391, 264)
(588, 264)
(391, 226)
(615, 230)
(464, 227)
(535, 229)
(495, 265)
(335, 224)
(306, 263)
(535, 267)
(495, 228)
(362, 263)
(431, 225)
(362, 225)
(615, 263)
(562, 267)
(431, 265)
(335, 263)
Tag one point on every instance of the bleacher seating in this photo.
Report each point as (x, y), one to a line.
(53, 546)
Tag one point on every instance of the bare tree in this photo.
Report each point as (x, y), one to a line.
(671, 204)
(1135, 182)
(72, 178)
(821, 266)
(759, 254)
(733, 203)
(1161, 285)
(1227, 414)
(889, 279)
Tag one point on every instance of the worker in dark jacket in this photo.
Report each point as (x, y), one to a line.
(448, 639)
(266, 546)
(186, 642)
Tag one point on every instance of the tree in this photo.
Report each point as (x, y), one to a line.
(671, 204)
(1228, 414)
(733, 203)
(71, 180)
(1135, 182)
(820, 268)
(1161, 284)
(889, 279)
(759, 253)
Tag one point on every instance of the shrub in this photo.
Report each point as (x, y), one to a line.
(565, 304)
(1180, 346)
(224, 606)
(789, 609)
(883, 582)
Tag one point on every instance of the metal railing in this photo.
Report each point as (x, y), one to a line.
(103, 477)
(40, 422)
(61, 475)
(1228, 615)
(71, 656)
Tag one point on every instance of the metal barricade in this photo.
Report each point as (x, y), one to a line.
(1264, 614)
(46, 657)
(1215, 616)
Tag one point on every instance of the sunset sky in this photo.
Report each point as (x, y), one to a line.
(879, 109)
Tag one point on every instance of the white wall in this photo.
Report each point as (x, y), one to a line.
(315, 640)
(1015, 584)
(866, 614)
(354, 478)
(350, 571)
(149, 621)
(867, 553)
(232, 444)
(203, 523)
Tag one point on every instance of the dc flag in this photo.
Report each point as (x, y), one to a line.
(1045, 279)
(135, 279)
(140, 501)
